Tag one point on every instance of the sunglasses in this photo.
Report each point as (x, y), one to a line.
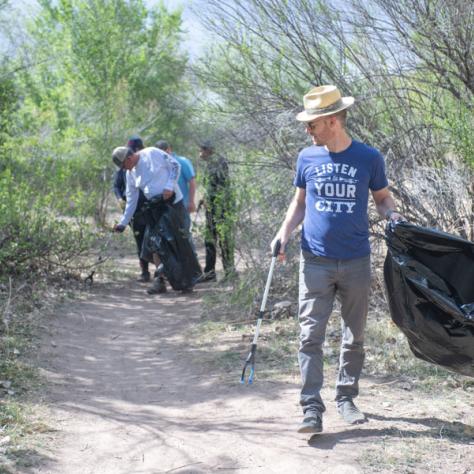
(311, 125)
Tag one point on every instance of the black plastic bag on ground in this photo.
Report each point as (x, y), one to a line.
(167, 236)
(429, 276)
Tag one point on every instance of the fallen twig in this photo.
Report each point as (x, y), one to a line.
(185, 465)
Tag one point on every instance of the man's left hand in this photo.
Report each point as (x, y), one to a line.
(393, 216)
(191, 207)
(119, 228)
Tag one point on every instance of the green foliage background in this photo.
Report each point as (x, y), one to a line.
(90, 74)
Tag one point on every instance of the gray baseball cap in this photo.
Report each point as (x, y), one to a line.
(120, 154)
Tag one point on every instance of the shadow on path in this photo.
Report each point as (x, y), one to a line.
(132, 394)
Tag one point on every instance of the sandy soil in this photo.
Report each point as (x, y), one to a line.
(128, 394)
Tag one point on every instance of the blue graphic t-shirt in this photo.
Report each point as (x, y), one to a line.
(187, 173)
(336, 224)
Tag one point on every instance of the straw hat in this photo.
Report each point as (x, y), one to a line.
(321, 101)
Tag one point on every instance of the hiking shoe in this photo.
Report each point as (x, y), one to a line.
(206, 276)
(312, 423)
(144, 277)
(187, 291)
(159, 286)
(350, 413)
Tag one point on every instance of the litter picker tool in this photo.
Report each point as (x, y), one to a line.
(89, 279)
(250, 361)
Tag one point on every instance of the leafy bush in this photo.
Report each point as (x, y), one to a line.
(32, 237)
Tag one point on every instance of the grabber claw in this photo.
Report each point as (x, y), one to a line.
(249, 362)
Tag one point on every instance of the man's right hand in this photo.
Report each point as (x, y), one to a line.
(119, 228)
(283, 242)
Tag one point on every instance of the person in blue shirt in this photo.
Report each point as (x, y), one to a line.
(333, 180)
(138, 222)
(186, 181)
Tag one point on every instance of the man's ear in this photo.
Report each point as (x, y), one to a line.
(332, 121)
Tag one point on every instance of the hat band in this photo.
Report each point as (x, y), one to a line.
(329, 108)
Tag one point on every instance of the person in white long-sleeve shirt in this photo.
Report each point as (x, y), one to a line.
(155, 173)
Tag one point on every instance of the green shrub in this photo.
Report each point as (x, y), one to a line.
(32, 235)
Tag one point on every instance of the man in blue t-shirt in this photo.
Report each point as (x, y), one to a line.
(333, 179)
(186, 181)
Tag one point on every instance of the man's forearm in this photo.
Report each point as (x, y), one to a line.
(386, 206)
(130, 206)
(294, 217)
(192, 190)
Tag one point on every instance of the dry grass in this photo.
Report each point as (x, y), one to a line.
(387, 351)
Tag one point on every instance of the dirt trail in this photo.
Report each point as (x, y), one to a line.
(127, 395)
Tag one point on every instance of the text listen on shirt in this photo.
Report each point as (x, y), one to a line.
(336, 224)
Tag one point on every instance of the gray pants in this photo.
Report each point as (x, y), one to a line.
(320, 280)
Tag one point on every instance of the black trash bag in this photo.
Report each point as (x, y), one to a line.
(167, 235)
(429, 276)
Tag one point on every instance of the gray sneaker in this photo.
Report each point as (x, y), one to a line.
(312, 423)
(206, 276)
(350, 413)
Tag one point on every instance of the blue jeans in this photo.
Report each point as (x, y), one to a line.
(321, 279)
